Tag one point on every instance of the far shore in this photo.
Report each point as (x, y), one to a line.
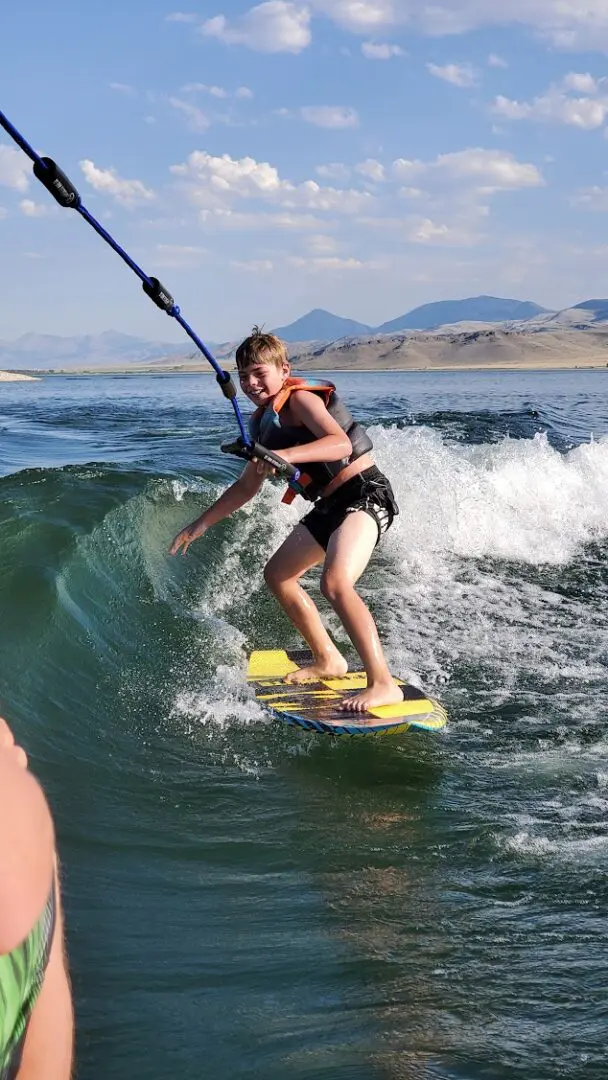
(561, 364)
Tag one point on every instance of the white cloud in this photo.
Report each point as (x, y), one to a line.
(213, 183)
(581, 83)
(371, 169)
(181, 17)
(456, 74)
(425, 231)
(330, 263)
(243, 92)
(122, 88)
(272, 27)
(404, 169)
(3, 212)
(379, 51)
(126, 192)
(586, 113)
(496, 61)
(14, 168)
(569, 24)
(335, 170)
(32, 209)
(362, 16)
(494, 170)
(330, 116)
(196, 119)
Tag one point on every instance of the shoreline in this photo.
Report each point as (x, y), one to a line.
(204, 369)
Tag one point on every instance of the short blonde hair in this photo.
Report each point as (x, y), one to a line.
(261, 348)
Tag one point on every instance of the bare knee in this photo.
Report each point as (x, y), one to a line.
(272, 577)
(334, 586)
(276, 579)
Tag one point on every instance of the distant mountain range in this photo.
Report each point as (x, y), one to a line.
(112, 349)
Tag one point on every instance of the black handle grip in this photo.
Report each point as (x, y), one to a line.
(254, 450)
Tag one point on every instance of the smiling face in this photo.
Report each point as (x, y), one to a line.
(262, 381)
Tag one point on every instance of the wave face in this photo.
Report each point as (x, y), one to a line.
(270, 902)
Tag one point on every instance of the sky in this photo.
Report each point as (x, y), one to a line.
(364, 156)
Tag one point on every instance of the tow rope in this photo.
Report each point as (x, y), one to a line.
(53, 178)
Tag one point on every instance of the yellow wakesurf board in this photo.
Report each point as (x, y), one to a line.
(314, 705)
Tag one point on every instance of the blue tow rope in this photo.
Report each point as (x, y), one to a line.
(63, 191)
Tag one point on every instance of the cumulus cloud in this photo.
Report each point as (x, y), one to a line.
(122, 88)
(557, 106)
(569, 24)
(456, 74)
(14, 169)
(272, 27)
(362, 16)
(329, 116)
(371, 169)
(380, 51)
(215, 183)
(580, 82)
(126, 192)
(492, 170)
(32, 209)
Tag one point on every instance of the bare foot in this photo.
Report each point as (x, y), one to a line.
(385, 693)
(331, 667)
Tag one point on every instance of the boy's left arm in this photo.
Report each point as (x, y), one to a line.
(331, 443)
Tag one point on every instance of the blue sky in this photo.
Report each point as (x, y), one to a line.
(365, 156)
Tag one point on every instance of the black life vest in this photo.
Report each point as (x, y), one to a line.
(265, 427)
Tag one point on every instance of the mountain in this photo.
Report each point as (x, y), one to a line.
(487, 309)
(109, 349)
(598, 308)
(320, 325)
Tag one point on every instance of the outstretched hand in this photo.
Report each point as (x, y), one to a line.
(186, 537)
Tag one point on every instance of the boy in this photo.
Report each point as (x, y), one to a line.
(310, 428)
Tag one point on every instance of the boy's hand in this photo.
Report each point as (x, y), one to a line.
(186, 537)
(263, 468)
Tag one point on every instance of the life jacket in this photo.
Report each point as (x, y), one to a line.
(265, 427)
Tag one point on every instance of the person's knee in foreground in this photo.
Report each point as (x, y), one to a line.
(309, 427)
(36, 1020)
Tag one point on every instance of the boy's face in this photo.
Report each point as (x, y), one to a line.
(262, 382)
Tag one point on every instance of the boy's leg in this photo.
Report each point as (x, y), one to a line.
(348, 554)
(297, 555)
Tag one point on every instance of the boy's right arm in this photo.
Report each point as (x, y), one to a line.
(245, 488)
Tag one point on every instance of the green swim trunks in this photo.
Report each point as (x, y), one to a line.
(21, 977)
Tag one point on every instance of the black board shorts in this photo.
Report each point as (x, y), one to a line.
(368, 490)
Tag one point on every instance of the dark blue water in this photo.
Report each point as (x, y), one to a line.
(247, 901)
